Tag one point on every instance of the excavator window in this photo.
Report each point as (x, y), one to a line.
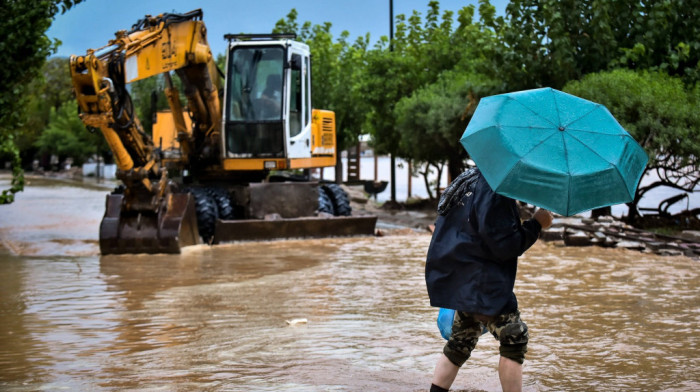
(255, 87)
(254, 101)
(307, 82)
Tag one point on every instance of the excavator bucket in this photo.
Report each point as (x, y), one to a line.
(171, 228)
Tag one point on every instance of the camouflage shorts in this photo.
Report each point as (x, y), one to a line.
(508, 329)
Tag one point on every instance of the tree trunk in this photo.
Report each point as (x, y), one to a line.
(437, 182)
(425, 174)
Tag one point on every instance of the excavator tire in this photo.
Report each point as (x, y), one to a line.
(207, 213)
(325, 204)
(341, 202)
(223, 202)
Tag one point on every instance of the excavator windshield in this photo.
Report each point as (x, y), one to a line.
(254, 126)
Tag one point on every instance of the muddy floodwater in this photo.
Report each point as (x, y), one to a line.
(317, 315)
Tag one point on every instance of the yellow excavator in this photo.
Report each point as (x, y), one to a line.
(231, 164)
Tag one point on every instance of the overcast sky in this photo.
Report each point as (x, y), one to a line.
(92, 23)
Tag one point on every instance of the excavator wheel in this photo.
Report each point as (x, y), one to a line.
(325, 204)
(207, 213)
(341, 203)
(223, 202)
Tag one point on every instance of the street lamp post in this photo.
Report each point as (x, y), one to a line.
(391, 49)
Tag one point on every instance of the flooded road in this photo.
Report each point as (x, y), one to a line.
(215, 318)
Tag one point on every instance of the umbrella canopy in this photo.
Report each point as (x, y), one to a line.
(554, 150)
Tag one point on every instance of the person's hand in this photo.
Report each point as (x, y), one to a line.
(543, 217)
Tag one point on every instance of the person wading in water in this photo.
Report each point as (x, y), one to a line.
(471, 266)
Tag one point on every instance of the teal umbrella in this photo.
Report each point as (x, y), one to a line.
(554, 150)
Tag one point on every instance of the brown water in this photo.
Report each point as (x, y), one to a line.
(214, 318)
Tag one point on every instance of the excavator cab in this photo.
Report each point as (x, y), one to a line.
(268, 120)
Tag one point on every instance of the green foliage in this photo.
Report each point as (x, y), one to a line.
(25, 47)
(447, 75)
(660, 113)
(142, 95)
(7, 147)
(335, 74)
(550, 42)
(50, 89)
(221, 62)
(433, 119)
(658, 36)
(422, 49)
(66, 136)
(57, 84)
(382, 89)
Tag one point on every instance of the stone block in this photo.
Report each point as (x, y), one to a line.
(634, 245)
(578, 238)
(552, 234)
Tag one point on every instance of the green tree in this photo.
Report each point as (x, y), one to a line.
(346, 99)
(658, 36)
(386, 81)
(25, 48)
(143, 93)
(66, 136)
(660, 113)
(550, 42)
(58, 86)
(50, 89)
(421, 50)
(221, 62)
(433, 119)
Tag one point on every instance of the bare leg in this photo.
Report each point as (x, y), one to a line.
(511, 375)
(445, 372)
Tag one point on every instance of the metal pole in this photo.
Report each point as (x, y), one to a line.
(391, 25)
(391, 49)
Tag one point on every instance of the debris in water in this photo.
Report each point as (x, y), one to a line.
(297, 321)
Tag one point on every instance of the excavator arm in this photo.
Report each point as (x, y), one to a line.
(155, 45)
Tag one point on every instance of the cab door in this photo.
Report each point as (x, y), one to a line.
(298, 106)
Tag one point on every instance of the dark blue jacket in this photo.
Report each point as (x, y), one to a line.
(473, 256)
